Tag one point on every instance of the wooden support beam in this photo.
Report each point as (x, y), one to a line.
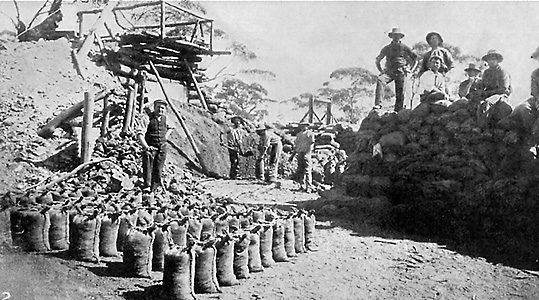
(119, 8)
(311, 109)
(184, 23)
(128, 110)
(194, 80)
(180, 119)
(162, 23)
(105, 118)
(144, 79)
(134, 104)
(87, 122)
(329, 115)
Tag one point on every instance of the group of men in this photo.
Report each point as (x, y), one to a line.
(487, 91)
(270, 147)
(153, 131)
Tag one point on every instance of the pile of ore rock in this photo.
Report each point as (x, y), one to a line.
(448, 177)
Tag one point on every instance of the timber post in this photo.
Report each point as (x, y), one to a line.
(106, 117)
(87, 121)
(128, 110)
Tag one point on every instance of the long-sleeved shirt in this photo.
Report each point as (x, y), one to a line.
(270, 138)
(235, 139)
(535, 84)
(304, 142)
(496, 81)
(430, 81)
(441, 52)
(468, 86)
(397, 55)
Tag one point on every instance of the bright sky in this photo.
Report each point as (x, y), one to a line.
(303, 41)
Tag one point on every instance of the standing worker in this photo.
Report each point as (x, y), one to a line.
(399, 58)
(235, 145)
(270, 144)
(303, 147)
(153, 133)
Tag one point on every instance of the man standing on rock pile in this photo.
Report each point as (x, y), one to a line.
(398, 58)
(303, 147)
(153, 131)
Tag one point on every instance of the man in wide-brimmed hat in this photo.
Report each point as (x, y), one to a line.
(270, 145)
(153, 130)
(493, 92)
(471, 84)
(400, 60)
(435, 41)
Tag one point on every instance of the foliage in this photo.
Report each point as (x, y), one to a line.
(247, 96)
(351, 89)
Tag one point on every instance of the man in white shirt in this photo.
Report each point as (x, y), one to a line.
(432, 85)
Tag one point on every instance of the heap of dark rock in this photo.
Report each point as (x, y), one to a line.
(448, 177)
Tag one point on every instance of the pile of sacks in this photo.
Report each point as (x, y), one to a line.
(447, 176)
(198, 247)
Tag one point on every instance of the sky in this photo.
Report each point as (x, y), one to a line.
(302, 42)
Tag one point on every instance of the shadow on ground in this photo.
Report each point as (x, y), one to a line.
(373, 217)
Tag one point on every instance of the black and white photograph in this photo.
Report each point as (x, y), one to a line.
(268, 150)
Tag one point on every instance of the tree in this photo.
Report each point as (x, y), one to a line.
(246, 96)
(352, 90)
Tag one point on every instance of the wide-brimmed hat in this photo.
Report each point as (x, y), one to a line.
(304, 124)
(395, 31)
(430, 34)
(472, 67)
(236, 117)
(536, 53)
(492, 54)
(160, 101)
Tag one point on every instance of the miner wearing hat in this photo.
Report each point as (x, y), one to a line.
(435, 41)
(493, 91)
(432, 85)
(270, 147)
(153, 131)
(235, 145)
(304, 147)
(471, 84)
(400, 60)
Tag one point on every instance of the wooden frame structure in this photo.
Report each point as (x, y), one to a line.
(311, 114)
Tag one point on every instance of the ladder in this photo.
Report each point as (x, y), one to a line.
(194, 93)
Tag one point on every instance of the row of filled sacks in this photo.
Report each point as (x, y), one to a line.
(90, 233)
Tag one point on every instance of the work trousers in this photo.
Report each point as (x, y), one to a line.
(273, 163)
(399, 77)
(234, 163)
(153, 163)
(305, 169)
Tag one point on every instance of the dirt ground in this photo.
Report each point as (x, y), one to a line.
(356, 259)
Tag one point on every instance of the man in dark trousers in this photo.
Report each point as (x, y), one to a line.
(400, 60)
(153, 132)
